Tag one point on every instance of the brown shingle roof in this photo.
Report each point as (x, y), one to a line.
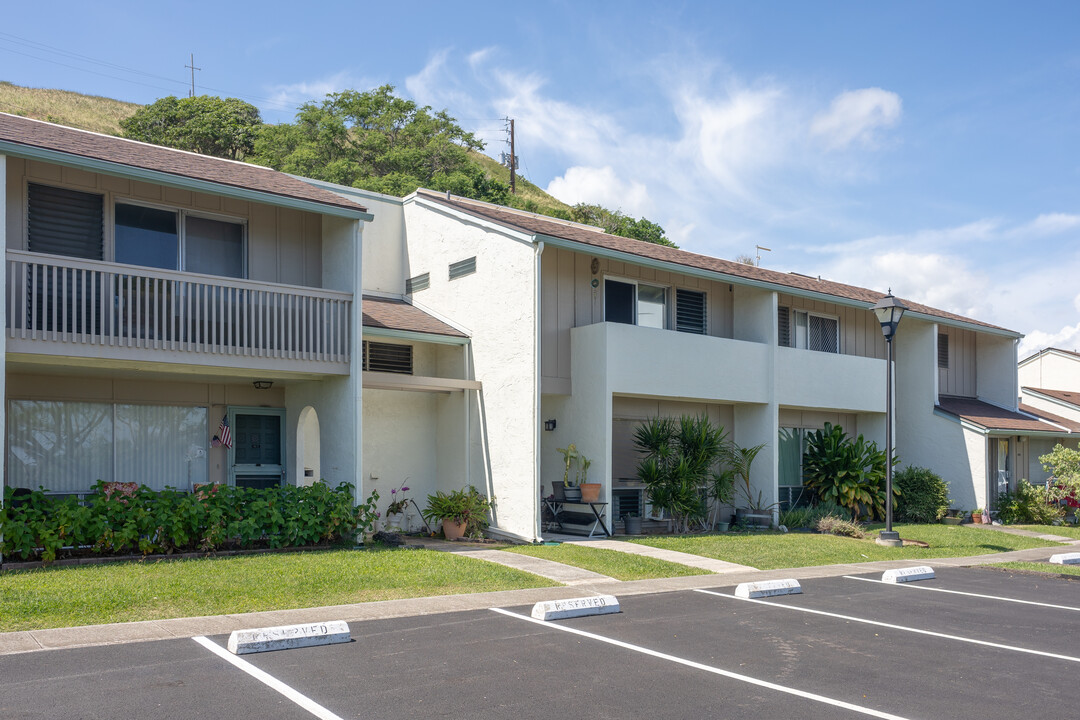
(1073, 398)
(993, 417)
(393, 314)
(552, 227)
(47, 136)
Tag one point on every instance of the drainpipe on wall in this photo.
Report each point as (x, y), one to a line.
(537, 422)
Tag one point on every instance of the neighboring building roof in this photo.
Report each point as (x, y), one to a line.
(1048, 350)
(392, 314)
(552, 227)
(992, 417)
(20, 131)
(1065, 396)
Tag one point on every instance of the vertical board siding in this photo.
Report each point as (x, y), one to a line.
(960, 377)
(860, 333)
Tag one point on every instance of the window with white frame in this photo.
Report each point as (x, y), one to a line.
(634, 303)
(808, 330)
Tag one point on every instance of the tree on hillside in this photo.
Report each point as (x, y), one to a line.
(618, 223)
(204, 124)
(378, 141)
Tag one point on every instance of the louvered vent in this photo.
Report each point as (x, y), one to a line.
(388, 357)
(463, 268)
(943, 351)
(690, 311)
(783, 326)
(65, 222)
(420, 282)
(824, 333)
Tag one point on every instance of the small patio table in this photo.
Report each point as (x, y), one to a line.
(558, 507)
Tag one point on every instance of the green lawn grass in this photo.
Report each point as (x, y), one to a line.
(121, 592)
(1041, 568)
(770, 551)
(621, 566)
(1071, 531)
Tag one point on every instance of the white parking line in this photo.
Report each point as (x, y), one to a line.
(707, 668)
(969, 594)
(919, 631)
(302, 700)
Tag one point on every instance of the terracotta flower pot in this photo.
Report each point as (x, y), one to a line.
(453, 530)
(590, 492)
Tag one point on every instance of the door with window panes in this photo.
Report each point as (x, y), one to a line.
(257, 458)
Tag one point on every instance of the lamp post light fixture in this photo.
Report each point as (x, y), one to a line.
(889, 310)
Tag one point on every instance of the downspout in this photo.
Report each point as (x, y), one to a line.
(537, 422)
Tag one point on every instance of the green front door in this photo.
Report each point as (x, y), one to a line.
(258, 452)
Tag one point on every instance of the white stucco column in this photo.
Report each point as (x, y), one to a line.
(3, 322)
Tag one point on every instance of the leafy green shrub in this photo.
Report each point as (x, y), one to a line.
(467, 506)
(680, 458)
(214, 517)
(925, 495)
(848, 472)
(833, 525)
(1028, 505)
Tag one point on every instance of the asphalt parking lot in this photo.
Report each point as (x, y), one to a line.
(995, 645)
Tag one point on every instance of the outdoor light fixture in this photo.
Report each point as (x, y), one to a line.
(549, 425)
(262, 384)
(889, 310)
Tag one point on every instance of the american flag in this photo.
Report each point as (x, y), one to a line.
(224, 434)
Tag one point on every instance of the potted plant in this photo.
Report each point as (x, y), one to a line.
(758, 512)
(590, 492)
(571, 491)
(977, 515)
(955, 516)
(463, 512)
(632, 524)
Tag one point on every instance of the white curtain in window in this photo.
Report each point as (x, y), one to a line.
(61, 446)
(161, 446)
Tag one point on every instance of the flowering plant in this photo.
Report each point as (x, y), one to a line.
(399, 503)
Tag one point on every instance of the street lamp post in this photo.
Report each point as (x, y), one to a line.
(889, 310)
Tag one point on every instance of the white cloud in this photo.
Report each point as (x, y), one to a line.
(1068, 338)
(601, 186)
(295, 94)
(430, 80)
(479, 57)
(1047, 224)
(855, 116)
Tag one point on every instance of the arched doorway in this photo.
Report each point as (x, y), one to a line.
(308, 469)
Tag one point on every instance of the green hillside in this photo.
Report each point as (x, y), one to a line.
(101, 114)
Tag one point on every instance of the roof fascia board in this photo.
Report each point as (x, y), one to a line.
(414, 335)
(762, 284)
(518, 235)
(179, 181)
(347, 189)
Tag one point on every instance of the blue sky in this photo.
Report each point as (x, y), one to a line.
(929, 147)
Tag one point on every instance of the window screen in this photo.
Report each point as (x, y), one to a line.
(824, 334)
(690, 311)
(65, 222)
(618, 302)
(651, 306)
(147, 237)
(213, 247)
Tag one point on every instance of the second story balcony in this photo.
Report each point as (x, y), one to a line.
(62, 306)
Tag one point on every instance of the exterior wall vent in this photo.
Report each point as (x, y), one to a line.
(943, 351)
(388, 357)
(783, 326)
(417, 283)
(463, 268)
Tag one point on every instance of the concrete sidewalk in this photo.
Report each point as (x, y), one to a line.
(674, 556)
(96, 635)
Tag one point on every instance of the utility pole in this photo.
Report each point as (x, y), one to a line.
(193, 69)
(513, 161)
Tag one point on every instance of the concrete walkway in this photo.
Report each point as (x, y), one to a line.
(566, 574)
(673, 556)
(1029, 533)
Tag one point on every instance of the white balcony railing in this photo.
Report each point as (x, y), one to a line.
(56, 299)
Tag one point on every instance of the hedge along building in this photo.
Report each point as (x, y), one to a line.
(150, 293)
(566, 323)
